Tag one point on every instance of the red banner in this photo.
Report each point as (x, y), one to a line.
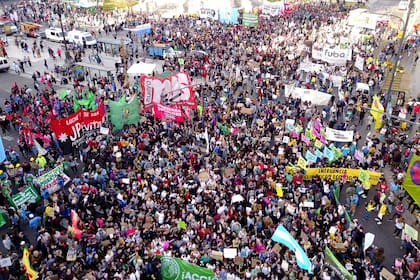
(172, 90)
(167, 113)
(78, 126)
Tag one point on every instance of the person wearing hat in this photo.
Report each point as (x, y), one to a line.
(33, 164)
(11, 171)
(41, 162)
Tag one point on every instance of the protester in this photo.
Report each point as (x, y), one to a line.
(160, 188)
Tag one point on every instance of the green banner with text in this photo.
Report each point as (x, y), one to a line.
(177, 269)
(335, 265)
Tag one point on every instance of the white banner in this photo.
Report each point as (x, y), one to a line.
(339, 135)
(272, 8)
(332, 56)
(316, 97)
(359, 63)
(309, 66)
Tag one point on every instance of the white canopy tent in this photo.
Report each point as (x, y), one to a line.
(141, 68)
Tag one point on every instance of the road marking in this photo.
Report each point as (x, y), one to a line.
(8, 138)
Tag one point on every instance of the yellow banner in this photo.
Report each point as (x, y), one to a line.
(337, 173)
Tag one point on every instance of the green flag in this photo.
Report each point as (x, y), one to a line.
(337, 193)
(122, 113)
(250, 20)
(177, 269)
(63, 94)
(335, 265)
(200, 110)
(411, 181)
(2, 220)
(182, 225)
(91, 100)
(224, 129)
(76, 105)
(363, 176)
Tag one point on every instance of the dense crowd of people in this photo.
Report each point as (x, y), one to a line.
(159, 188)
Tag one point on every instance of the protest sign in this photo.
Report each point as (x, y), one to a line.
(337, 174)
(174, 268)
(339, 135)
(73, 130)
(172, 90)
(310, 156)
(51, 180)
(24, 197)
(336, 266)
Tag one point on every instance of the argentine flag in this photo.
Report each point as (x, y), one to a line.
(281, 235)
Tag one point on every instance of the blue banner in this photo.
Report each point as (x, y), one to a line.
(281, 235)
(319, 154)
(2, 151)
(229, 15)
(310, 156)
(329, 154)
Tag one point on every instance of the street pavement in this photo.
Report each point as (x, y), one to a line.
(383, 232)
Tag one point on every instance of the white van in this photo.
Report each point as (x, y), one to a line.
(77, 37)
(55, 35)
(4, 64)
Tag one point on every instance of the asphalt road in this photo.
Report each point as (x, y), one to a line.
(383, 232)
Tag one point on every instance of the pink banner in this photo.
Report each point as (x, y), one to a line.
(172, 90)
(167, 113)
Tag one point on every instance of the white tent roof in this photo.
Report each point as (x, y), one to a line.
(141, 68)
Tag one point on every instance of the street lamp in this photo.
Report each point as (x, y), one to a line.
(388, 100)
(60, 11)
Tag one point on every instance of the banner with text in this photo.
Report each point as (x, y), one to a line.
(172, 90)
(78, 126)
(167, 113)
(317, 98)
(53, 180)
(334, 56)
(250, 20)
(178, 269)
(26, 196)
(337, 173)
(338, 135)
(335, 265)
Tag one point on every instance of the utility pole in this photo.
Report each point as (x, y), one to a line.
(388, 101)
(60, 12)
(124, 58)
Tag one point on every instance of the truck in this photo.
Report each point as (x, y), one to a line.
(30, 29)
(79, 37)
(163, 51)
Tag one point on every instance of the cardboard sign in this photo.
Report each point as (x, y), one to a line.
(386, 275)
(238, 260)
(204, 176)
(276, 248)
(216, 255)
(247, 111)
(228, 172)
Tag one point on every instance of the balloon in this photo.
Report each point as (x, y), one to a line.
(165, 245)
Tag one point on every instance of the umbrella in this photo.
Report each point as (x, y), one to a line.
(237, 198)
